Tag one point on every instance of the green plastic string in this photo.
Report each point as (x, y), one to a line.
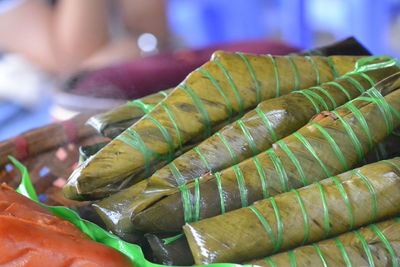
(261, 174)
(353, 137)
(295, 161)
(334, 105)
(372, 193)
(296, 73)
(172, 119)
(267, 123)
(200, 107)
(176, 173)
(361, 119)
(271, 262)
(191, 207)
(253, 76)
(186, 203)
(228, 147)
(327, 226)
(321, 256)
(356, 83)
(292, 258)
(343, 252)
(220, 191)
(384, 108)
(220, 91)
(196, 216)
(365, 76)
(393, 164)
(346, 200)
(316, 70)
(332, 142)
(366, 248)
(276, 71)
(136, 141)
(369, 63)
(139, 104)
(280, 170)
(278, 223)
(344, 91)
(248, 136)
(241, 184)
(267, 227)
(384, 240)
(233, 86)
(332, 66)
(307, 145)
(305, 216)
(316, 106)
(318, 97)
(163, 93)
(172, 239)
(203, 158)
(167, 137)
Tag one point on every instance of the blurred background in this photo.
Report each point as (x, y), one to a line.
(47, 48)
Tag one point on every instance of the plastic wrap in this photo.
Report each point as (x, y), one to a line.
(374, 245)
(320, 210)
(330, 144)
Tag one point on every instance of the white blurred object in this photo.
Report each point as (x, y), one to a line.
(147, 43)
(21, 82)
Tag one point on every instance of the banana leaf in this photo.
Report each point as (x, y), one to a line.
(258, 129)
(330, 144)
(114, 122)
(323, 209)
(374, 245)
(213, 95)
(170, 250)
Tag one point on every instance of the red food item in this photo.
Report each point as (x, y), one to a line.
(31, 236)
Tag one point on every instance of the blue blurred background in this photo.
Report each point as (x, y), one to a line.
(301, 23)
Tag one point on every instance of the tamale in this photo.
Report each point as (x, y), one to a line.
(323, 209)
(324, 147)
(258, 129)
(213, 95)
(116, 210)
(114, 122)
(374, 245)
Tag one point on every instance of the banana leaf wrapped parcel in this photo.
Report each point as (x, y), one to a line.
(373, 245)
(213, 95)
(258, 129)
(114, 122)
(320, 210)
(324, 147)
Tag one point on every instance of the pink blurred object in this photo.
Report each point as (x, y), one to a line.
(139, 77)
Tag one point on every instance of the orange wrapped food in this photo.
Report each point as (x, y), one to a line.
(31, 236)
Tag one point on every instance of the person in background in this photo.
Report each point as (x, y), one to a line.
(43, 41)
(66, 35)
